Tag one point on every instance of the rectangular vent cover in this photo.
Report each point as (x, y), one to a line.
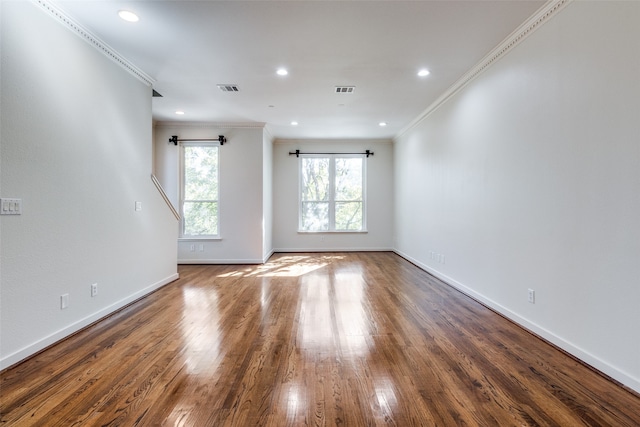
(345, 89)
(229, 88)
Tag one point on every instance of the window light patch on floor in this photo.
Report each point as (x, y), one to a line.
(201, 328)
(286, 266)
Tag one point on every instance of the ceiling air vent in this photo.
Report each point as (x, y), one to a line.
(345, 89)
(229, 88)
(155, 94)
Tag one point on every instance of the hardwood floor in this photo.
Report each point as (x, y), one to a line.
(347, 339)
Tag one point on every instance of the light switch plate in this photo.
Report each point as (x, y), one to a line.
(10, 206)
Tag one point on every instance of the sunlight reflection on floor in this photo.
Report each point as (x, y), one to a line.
(333, 313)
(386, 396)
(200, 328)
(351, 312)
(285, 266)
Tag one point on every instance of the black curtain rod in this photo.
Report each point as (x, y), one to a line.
(297, 153)
(221, 139)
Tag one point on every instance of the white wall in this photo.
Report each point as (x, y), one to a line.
(530, 178)
(241, 191)
(76, 148)
(267, 195)
(379, 187)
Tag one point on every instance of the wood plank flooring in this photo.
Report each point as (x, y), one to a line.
(340, 339)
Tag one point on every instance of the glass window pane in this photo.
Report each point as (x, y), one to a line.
(200, 218)
(332, 193)
(348, 179)
(201, 173)
(315, 179)
(348, 215)
(315, 216)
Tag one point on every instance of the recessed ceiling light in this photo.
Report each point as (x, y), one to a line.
(423, 73)
(382, 124)
(180, 113)
(128, 16)
(294, 123)
(282, 72)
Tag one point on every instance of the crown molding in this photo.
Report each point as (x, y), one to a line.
(547, 11)
(93, 40)
(298, 141)
(268, 133)
(223, 125)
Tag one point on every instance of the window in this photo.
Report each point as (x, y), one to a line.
(199, 195)
(332, 193)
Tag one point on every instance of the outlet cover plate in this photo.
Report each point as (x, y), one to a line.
(532, 296)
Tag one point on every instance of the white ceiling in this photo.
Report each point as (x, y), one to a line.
(188, 47)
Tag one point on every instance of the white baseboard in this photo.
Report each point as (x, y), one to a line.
(264, 259)
(220, 261)
(267, 256)
(216, 261)
(298, 250)
(583, 355)
(53, 338)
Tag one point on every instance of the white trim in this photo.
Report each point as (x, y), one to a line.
(267, 256)
(226, 125)
(63, 333)
(306, 141)
(265, 259)
(320, 250)
(583, 355)
(93, 40)
(268, 133)
(199, 239)
(547, 11)
(334, 232)
(220, 261)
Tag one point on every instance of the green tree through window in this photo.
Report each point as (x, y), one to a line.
(200, 190)
(331, 193)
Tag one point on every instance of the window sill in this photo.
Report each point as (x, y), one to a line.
(333, 232)
(199, 239)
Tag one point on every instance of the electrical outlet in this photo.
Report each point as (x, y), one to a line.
(64, 301)
(94, 290)
(439, 258)
(532, 296)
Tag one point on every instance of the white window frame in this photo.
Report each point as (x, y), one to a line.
(182, 235)
(332, 202)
